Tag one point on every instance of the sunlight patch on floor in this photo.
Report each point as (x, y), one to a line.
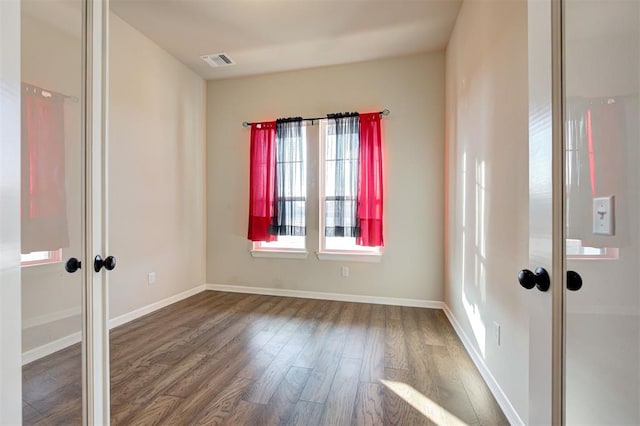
(428, 408)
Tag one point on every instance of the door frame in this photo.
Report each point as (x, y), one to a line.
(95, 296)
(559, 209)
(10, 290)
(546, 210)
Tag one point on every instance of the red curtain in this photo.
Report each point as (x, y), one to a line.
(369, 212)
(262, 181)
(43, 197)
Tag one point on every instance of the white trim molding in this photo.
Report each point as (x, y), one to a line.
(496, 390)
(340, 297)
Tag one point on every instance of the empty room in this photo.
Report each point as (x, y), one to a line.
(357, 212)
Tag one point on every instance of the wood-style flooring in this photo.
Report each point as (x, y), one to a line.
(239, 359)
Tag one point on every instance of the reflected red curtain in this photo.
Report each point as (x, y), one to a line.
(370, 192)
(262, 181)
(43, 195)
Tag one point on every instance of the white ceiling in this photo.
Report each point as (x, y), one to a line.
(264, 36)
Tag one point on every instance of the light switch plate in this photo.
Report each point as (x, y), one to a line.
(604, 216)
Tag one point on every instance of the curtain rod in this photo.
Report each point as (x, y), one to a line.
(33, 86)
(383, 112)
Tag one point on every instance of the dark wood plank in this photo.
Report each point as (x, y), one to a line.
(245, 413)
(400, 403)
(395, 354)
(319, 383)
(373, 361)
(452, 395)
(311, 351)
(29, 414)
(369, 409)
(357, 337)
(283, 402)
(306, 414)
(223, 404)
(152, 414)
(339, 407)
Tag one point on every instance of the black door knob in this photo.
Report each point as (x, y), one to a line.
(574, 281)
(110, 263)
(527, 279)
(72, 265)
(539, 279)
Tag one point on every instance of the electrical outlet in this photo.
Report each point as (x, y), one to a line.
(345, 271)
(496, 332)
(152, 277)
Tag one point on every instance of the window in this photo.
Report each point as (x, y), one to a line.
(291, 189)
(349, 188)
(41, 257)
(338, 191)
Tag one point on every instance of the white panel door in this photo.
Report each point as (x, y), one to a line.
(602, 145)
(53, 135)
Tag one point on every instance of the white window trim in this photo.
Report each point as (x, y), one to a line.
(365, 255)
(349, 256)
(279, 253)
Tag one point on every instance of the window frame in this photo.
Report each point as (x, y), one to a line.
(261, 248)
(355, 253)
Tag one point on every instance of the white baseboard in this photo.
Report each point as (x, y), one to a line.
(49, 348)
(496, 390)
(57, 345)
(340, 297)
(130, 316)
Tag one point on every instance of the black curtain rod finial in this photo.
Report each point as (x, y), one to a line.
(385, 112)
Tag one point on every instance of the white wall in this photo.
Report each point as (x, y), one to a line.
(413, 89)
(10, 371)
(487, 187)
(156, 171)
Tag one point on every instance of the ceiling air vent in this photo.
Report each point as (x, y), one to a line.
(218, 60)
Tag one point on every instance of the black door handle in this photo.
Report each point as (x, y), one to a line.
(539, 279)
(574, 281)
(72, 265)
(109, 263)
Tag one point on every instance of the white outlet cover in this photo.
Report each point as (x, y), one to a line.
(604, 216)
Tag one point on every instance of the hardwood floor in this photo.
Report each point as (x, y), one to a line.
(236, 359)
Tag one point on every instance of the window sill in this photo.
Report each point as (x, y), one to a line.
(280, 254)
(350, 257)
